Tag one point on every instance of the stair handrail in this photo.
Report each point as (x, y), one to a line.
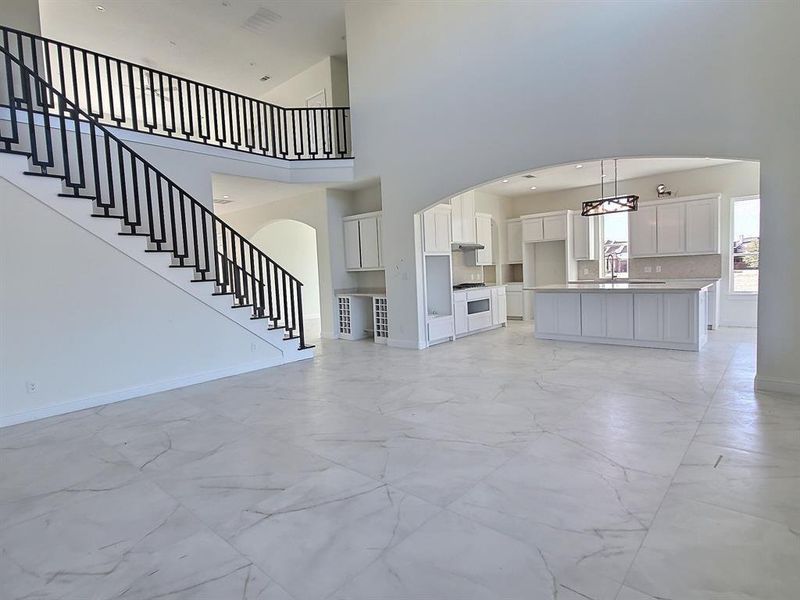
(276, 112)
(216, 221)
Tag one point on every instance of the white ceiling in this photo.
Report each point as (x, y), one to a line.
(247, 192)
(566, 177)
(215, 41)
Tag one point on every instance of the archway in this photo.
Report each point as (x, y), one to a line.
(293, 245)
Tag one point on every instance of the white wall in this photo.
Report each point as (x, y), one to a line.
(439, 107)
(90, 325)
(295, 91)
(22, 14)
(731, 181)
(293, 245)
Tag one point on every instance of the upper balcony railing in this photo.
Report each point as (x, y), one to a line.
(139, 98)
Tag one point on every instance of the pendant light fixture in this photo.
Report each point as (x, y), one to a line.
(611, 204)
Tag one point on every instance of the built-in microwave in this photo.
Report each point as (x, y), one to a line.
(478, 306)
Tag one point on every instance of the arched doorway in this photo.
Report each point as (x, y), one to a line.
(293, 245)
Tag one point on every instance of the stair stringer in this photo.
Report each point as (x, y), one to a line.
(79, 211)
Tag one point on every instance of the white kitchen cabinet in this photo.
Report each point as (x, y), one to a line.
(642, 231)
(362, 242)
(558, 313)
(679, 321)
(369, 237)
(499, 307)
(555, 227)
(440, 328)
(514, 304)
(702, 226)
(352, 245)
(437, 229)
(532, 230)
(671, 228)
(483, 232)
(619, 316)
(461, 322)
(593, 315)
(463, 218)
(514, 241)
(648, 322)
(583, 237)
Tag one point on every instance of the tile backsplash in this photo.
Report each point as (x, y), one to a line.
(464, 273)
(592, 265)
(678, 267)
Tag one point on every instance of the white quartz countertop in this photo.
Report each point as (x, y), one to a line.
(669, 286)
(361, 292)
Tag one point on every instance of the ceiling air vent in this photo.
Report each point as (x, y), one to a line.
(529, 176)
(261, 21)
(264, 78)
(222, 201)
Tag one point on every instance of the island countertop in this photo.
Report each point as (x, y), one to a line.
(674, 285)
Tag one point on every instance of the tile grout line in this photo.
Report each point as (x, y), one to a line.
(672, 479)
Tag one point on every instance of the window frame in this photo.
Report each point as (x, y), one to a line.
(601, 247)
(732, 256)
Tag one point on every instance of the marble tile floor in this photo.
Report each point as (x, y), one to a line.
(496, 467)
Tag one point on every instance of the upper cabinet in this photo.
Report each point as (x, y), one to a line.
(463, 218)
(483, 234)
(514, 241)
(436, 229)
(362, 242)
(675, 227)
(545, 227)
(583, 237)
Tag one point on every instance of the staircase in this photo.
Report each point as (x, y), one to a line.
(72, 161)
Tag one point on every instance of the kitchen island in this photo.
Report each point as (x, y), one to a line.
(670, 315)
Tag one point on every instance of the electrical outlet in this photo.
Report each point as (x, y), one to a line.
(658, 268)
(585, 270)
(31, 387)
(648, 269)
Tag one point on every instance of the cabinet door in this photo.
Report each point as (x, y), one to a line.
(647, 317)
(483, 226)
(619, 316)
(370, 251)
(461, 320)
(671, 228)
(702, 227)
(514, 241)
(642, 231)
(495, 307)
(545, 318)
(468, 231)
(532, 230)
(457, 206)
(679, 318)
(593, 315)
(555, 228)
(582, 238)
(352, 245)
(443, 230)
(380, 242)
(502, 304)
(429, 230)
(568, 311)
(514, 304)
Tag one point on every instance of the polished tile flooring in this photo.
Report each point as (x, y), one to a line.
(498, 467)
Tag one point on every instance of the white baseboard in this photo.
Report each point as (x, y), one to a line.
(133, 392)
(782, 386)
(407, 344)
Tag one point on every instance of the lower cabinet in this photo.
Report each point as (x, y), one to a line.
(619, 316)
(557, 313)
(647, 317)
(461, 322)
(440, 328)
(499, 308)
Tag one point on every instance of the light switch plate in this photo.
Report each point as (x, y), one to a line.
(648, 269)
(658, 268)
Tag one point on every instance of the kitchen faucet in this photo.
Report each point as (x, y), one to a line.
(613, 271)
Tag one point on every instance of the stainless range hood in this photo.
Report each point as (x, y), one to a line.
(465, 247)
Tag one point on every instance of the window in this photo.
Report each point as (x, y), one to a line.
(744, 251)
(615, 244)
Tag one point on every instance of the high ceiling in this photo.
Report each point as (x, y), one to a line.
(233, 193)
(566, 177)
(227, 43)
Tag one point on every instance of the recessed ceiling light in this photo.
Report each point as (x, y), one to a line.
(100, 8)
(226, 197)
(533, 187)
(578, 166)
(604, 175)
(708, 158)
(505, 180)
